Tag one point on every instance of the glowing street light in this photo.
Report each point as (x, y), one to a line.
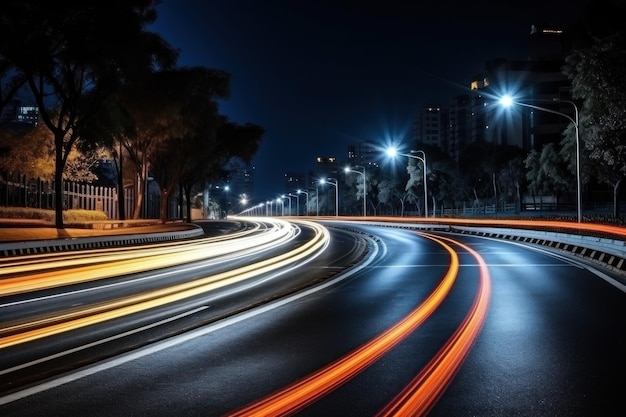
(392, 152)
(279, 200)
(334, 184)
(348, 169)
(284, 196)
(507, 101)
(306, 201)
(297, 203)
(317, 197)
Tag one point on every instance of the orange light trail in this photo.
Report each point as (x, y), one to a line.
(92, 315)
(42, 261)
(534, 224)
(135, 262)
(298, 395)
(421, 394)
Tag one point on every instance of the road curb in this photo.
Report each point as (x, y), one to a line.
(591, 249)
(32, 247)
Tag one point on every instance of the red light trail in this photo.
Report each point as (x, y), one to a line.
(430, 382)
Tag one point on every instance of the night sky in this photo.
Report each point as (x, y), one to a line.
(320, 75)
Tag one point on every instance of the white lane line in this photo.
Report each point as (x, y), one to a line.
(177, 340)
(99, 342)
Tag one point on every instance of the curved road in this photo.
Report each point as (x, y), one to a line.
(427, 323)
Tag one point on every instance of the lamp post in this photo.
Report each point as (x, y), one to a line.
(281, 198)
(336, 185)
(317, 198)
(507, 101)
(348, 169)
(227, 189)
(392, 152)
(297, 203)
(284, 196)
(306, 201)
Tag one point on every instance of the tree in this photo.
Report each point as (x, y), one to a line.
(547, 172)
(175, 114)
(29, 151)
(208, 161)
(111, 125)
(598, 78)
(73, 56)
(10, 81)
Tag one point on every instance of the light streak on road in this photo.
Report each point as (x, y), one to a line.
(128, 263)
(514, 223)
(298, 395)
(34, 330)
(421, 394)
(41, 261)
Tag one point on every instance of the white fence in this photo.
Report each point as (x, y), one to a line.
(17, 191)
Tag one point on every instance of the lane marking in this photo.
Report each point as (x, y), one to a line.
(180, 339)
(102, 341)
(298, 395)
(422, 393)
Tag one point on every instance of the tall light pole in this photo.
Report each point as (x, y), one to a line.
(348, 169)
(306, 204)
(282, 206)
(336, 185)
(392, 152)
(297, 203)
(284, 196)
(227, 189)
(317, 198)
(507, 101)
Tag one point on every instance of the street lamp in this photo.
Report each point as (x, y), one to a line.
(348, 169)
(392, 152)
(284, 196)
(334, 184)
(227, 189)
(306, 201)
(282, 206)
(317, 198)
(297, 203)
(507, 101)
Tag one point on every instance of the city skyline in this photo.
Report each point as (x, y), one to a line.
(319, 77)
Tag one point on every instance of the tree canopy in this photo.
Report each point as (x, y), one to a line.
(72, 58)
(596, 70)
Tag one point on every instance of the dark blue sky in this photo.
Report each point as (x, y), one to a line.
(320, 75)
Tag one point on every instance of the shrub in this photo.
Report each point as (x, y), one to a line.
(48, 215)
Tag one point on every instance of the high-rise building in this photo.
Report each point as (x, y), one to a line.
(364, 153)
(241, 182)
(459, 125)
(432, 127)
(537, 81)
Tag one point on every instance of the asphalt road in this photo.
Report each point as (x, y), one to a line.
(527, 333)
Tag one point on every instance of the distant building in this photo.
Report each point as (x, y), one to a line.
(431, 128)
(459, 125)
(241, 182)
(15, 112)
(363, 153)
(537, 81)
(326, 167)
